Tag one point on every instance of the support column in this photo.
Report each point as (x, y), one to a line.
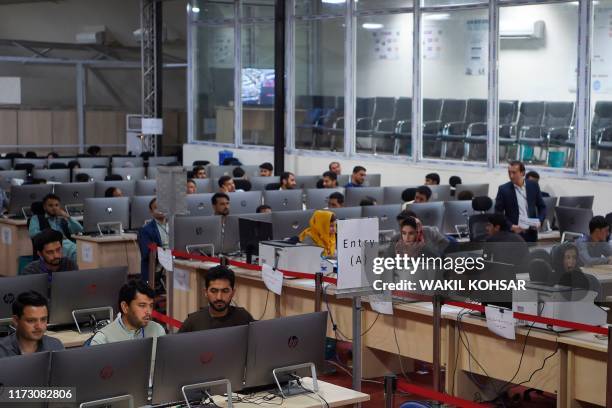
(80, 104)
(279, 86)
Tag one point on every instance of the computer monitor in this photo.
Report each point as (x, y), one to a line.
(90, 162)
(386, 214)
(456, 215)
(287, 224)
(26, 370)
(200, 204)
(259, 183)
(105, 371)
(38, 163)
(203, 186)
(244, 202)
(127, 187)
(6, 164)
(106, 210)
(393, 194)
(74, 193)
(252, 232)
(63, 160)
(197, 230)
(123, 161)
(52, 175)
(345, 213)
(161, 160)
(7, 175)
(23, 196)
(479, 190)
(430, 214)
(129, 173)
(305, 182)
(145, 187)
(372, 180)
(90, 288)
(197, 357)
(440, 193)
(584, 202)
(95, 174)
(283, 342)
(215, 172)
(12, 286)
(354, 195)
(317, 198)
(570, 219)
(139, 211)
(283, 200)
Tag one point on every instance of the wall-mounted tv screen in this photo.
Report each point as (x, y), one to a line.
(257, 86)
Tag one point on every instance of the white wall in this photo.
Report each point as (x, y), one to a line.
(398, 173)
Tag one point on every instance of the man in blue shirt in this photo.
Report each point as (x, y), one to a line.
(595, 249)
(358, 177)
(155, 231)
(55, 217)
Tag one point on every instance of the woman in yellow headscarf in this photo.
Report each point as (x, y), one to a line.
(322, 232)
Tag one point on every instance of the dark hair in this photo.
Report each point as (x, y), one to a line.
(597, 222)
(219, 272)
(128, 292)
(45, 237)
(518, 163)
(285, 176)
(82, 178)
(357, 169)
(532, 174)
(331, 175)
(198, 168)
(498, 219)
(266, 166)
(93, 150)
(192, 181)
(454, 180)
(153, 200)
(367, 201)
(238, 172)
(223, 180)
(405, 214)
(558, 253)
(110, 191)
(426, 191)
(262, 207)
(53, 155)
(334, 162)
(337, 196)
(30, 298)
(73, 163)
(31, 155)
(465, 195)
(217, 196)
(434, 177)
(409, 221)
(408, 194)
(50, 196)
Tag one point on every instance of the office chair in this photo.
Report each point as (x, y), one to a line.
(384, 108)
(272, 186)
(540, 271)
(601, 126)
(28, 167)
(53, 166)
(13, 155)
(386, 128)
(113, 177)
(508, 111)
(200, 163)
(452, 110)
(529, 126)
(475, 115)
(82, 178)
(477, 223)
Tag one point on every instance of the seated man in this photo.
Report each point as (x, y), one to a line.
(199, 172)
(136, 300)
(502, 245)
(422, 194)
(330, 179)
(219, 290)
(287, 181)
(57, 218)
(192, 187)
(226, 184)
(335, 167)
(48, 246)
(358, 177)
(595, 249)
(263, 209)
(30, 314)
(154, 231)
(266, 169)
(336, 200)
(220, 204)
(432, 179)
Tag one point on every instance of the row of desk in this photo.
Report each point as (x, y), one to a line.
(576, 373)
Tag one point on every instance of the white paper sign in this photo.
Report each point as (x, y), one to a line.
(180, 279)
(381, 306)
(152, 126)
(165, 258)
(7, 237)
(526, 223)
(87, 253)
(357, 247)
(500, 322)
(272, 278)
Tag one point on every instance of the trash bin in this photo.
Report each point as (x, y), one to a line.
(527, 153)
(556, 158)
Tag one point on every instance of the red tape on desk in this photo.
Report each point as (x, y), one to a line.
(438, 396)
(166, 319)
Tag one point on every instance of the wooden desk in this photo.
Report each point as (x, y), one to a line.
(14, 242)
(110, 250)
(335, 396)
(70, 338)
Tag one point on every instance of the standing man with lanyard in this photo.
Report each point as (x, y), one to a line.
(153, 232)
(520, 200)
